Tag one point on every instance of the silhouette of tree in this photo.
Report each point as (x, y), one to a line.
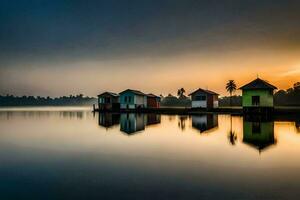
(171, 100)
(232, 136)
(180, 92)
(231, 87)
(290, 97)
(10, 100)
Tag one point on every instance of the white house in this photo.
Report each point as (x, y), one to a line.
(204, 99)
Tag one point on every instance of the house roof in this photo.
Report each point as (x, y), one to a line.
(133, 91)
(152, 95)
(260, 145)
(258, 84)
(205, 91)
(109, 93)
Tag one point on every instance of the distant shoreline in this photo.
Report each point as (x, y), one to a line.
(45, 108)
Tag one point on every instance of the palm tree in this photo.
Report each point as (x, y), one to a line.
(180, 92)
(230, 87)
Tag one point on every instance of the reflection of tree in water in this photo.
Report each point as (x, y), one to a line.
(181, 122)
(71, 114)
(44, 114)
(171, 117)
(232, 135)
(297, 124)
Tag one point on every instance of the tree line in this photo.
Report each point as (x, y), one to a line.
(80, 99)
(289, 97)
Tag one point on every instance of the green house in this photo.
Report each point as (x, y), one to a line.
(258, 94)
(259, 135)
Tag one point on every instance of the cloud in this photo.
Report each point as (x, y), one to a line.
(292, 72)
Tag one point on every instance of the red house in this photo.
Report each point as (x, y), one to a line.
(153, 101)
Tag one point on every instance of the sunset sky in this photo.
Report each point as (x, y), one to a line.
(62, 47)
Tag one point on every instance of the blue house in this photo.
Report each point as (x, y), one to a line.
(131, 123)
(132, 99)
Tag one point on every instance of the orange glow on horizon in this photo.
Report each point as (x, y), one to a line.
(157, 75)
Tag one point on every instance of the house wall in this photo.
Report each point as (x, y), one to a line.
(266, 98)
(106, 106)
(136, 100)
(216, 104)
(215, 101)
(199, 93)
(199, 104)
(114, 102)
(113, 99)
(141, 101)
(127, 104)
(210, 102)
(152, 102)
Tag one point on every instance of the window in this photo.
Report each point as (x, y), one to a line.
(200, 98)
(255, 100)
(127, 99)
(256, 129)
(107, 100)
(271, 92)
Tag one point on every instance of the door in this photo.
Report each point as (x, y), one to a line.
(255, 100)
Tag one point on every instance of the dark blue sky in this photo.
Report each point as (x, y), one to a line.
(59, 31)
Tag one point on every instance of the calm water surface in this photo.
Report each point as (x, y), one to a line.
(69, 153)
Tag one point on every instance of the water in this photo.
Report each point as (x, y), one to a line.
(69, 153)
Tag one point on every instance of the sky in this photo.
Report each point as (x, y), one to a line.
(63, 47)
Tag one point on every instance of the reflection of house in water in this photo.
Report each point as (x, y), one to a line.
(204, 122)
(258, 134)
(152, 119)
(131, 123)
(108, 119)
